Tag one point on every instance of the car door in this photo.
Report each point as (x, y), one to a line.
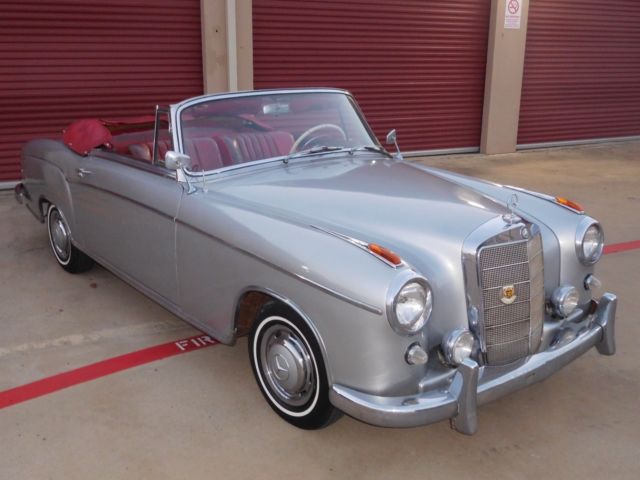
(125, 214)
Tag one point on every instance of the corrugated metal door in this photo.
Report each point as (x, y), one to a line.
(413, 65)
(65, 60)
(581, 71)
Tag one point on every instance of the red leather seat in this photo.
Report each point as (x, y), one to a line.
(246, 147)
(163, 147)
(143, 151)
(205, 154)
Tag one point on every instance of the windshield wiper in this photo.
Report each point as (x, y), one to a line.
(313, 151)
(372, 148)
(326, 148)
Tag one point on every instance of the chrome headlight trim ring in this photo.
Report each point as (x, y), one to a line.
(583, 227)
(403, 279)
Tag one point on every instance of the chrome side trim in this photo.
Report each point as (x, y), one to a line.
(123, 197)
(130, 162)
(308, 281)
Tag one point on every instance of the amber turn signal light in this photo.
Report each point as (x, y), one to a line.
(385, 253)
(568, 203)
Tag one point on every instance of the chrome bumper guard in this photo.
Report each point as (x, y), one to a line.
(473, 385)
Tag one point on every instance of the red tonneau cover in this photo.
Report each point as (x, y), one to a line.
(84, 135)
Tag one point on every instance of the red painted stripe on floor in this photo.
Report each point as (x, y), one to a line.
(621, 247)
(100, 369)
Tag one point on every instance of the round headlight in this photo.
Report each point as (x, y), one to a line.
(457, 346)
(411, 307)
(589, 241)
(565, 300)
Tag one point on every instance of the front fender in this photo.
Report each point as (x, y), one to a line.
(225, 249)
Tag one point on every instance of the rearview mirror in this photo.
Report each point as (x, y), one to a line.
(176, 160)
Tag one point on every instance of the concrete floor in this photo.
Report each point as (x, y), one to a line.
(201, 415)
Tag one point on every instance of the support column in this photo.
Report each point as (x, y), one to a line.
(503, 82)
(244, 32)
(227, 45)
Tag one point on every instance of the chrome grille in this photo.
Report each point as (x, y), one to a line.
(511, 331)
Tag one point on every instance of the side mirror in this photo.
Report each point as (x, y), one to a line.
(392, 139)
(176, 161)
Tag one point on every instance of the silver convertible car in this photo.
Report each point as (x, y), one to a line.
(398, 294)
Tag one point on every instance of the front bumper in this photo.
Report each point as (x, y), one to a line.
(473, 385)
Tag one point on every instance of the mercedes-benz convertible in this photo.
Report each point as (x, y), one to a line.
(367, 284)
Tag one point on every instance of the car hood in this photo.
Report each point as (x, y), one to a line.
(371, 198)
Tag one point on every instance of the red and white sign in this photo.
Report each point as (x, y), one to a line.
(512, 13)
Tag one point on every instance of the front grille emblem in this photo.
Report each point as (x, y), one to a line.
(508, 294)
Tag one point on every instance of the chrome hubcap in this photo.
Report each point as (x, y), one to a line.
(59, 236)
(287, 365)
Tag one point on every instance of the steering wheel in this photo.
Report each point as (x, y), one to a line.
(304, 138)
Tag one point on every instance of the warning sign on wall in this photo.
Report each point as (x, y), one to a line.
(512, 13)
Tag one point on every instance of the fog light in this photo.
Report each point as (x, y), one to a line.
(565, 299)
(457, 346)
(416, 355)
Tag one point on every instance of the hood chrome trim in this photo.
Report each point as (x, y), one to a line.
(361, 245)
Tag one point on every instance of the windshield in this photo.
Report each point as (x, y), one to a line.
(230, 131)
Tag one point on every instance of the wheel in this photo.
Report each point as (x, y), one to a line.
(304, 140)
(289, 369)
(67, 255)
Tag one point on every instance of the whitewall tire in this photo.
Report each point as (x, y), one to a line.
(288, 366)
(68, 256)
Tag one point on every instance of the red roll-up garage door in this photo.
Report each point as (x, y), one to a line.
(581, 72)
(62, 60)
(413, 65)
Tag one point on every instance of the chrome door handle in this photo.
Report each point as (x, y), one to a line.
(83, 172)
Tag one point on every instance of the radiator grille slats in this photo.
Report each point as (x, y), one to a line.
(518, 330)
(508, 352)
(497, 277)
(511, 330)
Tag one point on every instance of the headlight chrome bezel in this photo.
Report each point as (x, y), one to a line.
(583, 227)
(405, 278)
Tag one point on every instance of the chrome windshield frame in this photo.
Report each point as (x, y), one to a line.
(177, 109)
